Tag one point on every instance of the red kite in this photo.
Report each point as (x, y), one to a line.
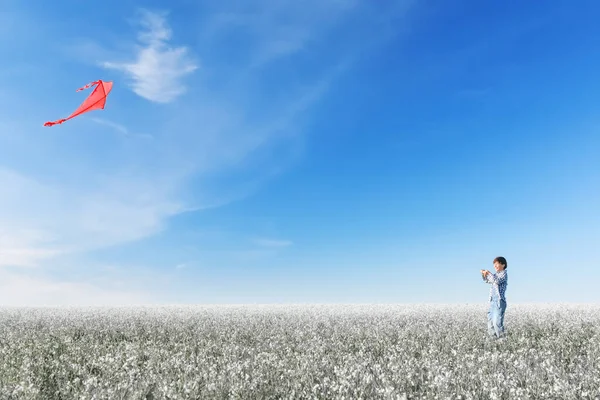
(95, 101)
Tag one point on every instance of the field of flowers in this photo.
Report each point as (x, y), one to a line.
(299, 352)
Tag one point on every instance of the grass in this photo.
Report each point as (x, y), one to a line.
(307, 352)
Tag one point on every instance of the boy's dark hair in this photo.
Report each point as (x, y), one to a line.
(502, 261)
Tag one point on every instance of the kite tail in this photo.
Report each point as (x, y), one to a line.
(89, 85)
(60, 121)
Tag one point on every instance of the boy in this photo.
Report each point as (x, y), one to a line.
(497, 297)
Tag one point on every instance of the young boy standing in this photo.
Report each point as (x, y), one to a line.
(497, 297)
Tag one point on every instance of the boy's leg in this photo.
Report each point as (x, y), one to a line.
(500, 323)
(498, 318)
(491, 317)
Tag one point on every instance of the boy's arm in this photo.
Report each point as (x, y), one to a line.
(494, 279)
(485, 274)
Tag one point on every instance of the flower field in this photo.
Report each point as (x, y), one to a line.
(299, 352)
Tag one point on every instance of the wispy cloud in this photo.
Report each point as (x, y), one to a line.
(280, 29)
(20, 289)
(77, 191)
(216, 148)
(273, 31)
(119, 128)
(24, 248)
(115, 126)
(158, 71)
(41, 221)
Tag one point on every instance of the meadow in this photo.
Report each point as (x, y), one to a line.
(299, 352)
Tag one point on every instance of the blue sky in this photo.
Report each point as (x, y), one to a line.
(339, 151)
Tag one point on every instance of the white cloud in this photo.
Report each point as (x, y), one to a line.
(23, 238)
(24, 290)
(24, 254)
(80, 189)
(158, 71)
(201, 156)
(40, 221)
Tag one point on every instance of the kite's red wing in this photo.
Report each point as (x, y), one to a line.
(95, 101)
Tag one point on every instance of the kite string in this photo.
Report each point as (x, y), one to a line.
(89, 85)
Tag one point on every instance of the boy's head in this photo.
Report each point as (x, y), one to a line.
(500, 264)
